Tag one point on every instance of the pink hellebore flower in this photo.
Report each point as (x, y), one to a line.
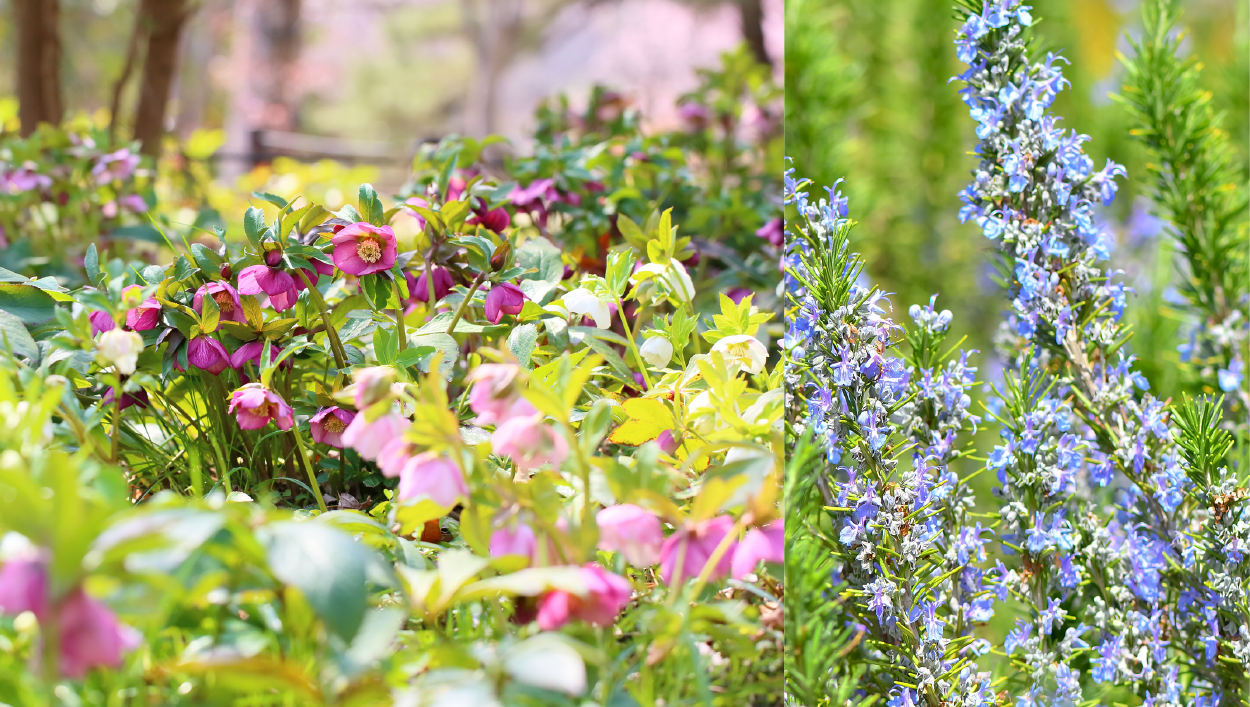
(632, 531)
(530, 442)
(24, 587)
(417, 201)
(271, 280)
(255, 405)
(394, 456)
(492, 396)
(91, 636)
(208, 354)
(101, 321)
(767, 543)
(693, 547)
(372, 384)
(114, 166)
(434, 475)
(515, 540)
(504, 298)
(606, 595)
(368, 438)
(419, 288)
(226, 297)
(363, 249)
(145, 316)
(254, 351)
(328, 424)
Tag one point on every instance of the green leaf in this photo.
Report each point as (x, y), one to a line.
(91, 261)
(413, 355)
(522, 342)
(541, 255)
(271, 198)
(385, 346)
(441, 342)
(253, 225)
(28, 303)
(211, 316)
(15, 338)
(370, 205)
(327, 565)
(208, 260)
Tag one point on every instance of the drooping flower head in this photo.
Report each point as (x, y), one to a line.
(632, 531)
(207, 353)
(328, 425)
(686, 552)
(225, 297)
(254, 406)
(145, 316)
(504, 298)
(606, 594)
(363, 249)
(530, 441)
(419, 288)
(434, 475)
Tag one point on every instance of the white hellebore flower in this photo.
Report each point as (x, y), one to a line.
(120, 348)
(583, 302)
(744, 350)
(674, 278)
(657, 351)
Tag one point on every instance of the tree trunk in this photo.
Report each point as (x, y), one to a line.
(165, 20)
(752, 12)
(494, 28)
(38, 63)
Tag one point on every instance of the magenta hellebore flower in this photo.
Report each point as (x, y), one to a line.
(328, 425)
(419, 288)
(693, 546)
(772, 232)
(496, 220)
(368, 438)
(363, 249)
(271, 280)
(207, 353)
(138, 399)
(767, 543)
(101, 321)
(226, 297)
(114, 166)
(255, 405)
(606, 595)
(254, 351)
(504, 298)
(530, 442)
(146, 316)
(434, 475)
(24, 587)
(632, 531)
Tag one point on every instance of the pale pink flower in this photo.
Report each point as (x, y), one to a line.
(767, 543)
(24, 587)
(493, 397)
(368, 438)
(434, 475)
(606, 595)
(371, 385)
(632, 531)
(530, 442)
(255, 405)
(114, 166)
(328, 425)
(693, 546)
(516, 539)
(394, 456)
(363, 249)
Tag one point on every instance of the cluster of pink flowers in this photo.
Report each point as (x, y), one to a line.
(520, 431)
(89, 634)
(254, 406)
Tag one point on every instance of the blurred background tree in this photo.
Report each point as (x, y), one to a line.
(867, 99)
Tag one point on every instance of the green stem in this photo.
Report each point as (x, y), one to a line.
(630, 339)
(312, 477)
(464, 304)
(399, 312)
(340, 357)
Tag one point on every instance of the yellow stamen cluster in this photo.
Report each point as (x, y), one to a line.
(369, 250)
